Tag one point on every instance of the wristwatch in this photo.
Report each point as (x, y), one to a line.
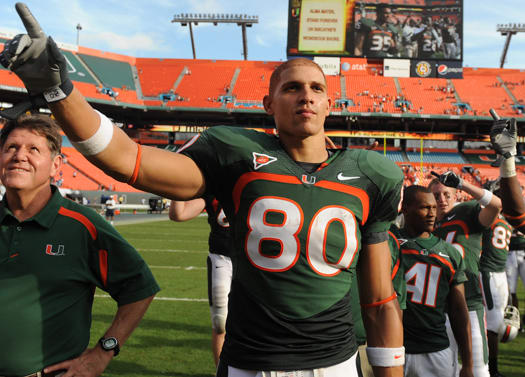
(110, 344)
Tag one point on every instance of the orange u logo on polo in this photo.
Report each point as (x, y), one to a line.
(59, 252)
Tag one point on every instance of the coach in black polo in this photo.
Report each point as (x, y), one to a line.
(53, 253)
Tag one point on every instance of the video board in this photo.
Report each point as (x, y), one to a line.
(408, 29)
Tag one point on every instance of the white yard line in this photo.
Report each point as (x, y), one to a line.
(174, 251)
(166, 298)
(187, 268)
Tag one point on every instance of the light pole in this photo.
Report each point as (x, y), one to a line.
(79, 27)
(508, 30)
(241, 20)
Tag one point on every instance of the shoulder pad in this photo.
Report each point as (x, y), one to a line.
(379, 169)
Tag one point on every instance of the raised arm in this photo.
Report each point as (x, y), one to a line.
(382, 316)
(37, 61)
(503, 137)
(186, 210)
(491, 203)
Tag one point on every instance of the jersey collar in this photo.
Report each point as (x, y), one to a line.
(45, 217)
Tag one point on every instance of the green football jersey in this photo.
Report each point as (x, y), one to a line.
(461, 228)
(379, 40)
(431, 267)
(398, 281)
(297, 239)
(496, 240)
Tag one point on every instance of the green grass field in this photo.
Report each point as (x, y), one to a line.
(173, 339)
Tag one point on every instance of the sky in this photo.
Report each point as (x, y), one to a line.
(144, 28)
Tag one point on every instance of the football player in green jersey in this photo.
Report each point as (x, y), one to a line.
(379, 37)
(303, 218)
(495, 246)
(462, 225)
(434, 274)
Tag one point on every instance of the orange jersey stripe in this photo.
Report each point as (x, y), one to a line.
(80, 218)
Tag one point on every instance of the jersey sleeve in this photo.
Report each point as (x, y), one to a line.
(460, 276)
(118, 268)
(386, 180)
(398, 279)
(202, 150)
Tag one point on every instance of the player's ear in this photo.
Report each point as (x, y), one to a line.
(267, 102)
(56, 163)
(329, 102)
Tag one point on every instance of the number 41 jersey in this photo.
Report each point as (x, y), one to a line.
(297, 239)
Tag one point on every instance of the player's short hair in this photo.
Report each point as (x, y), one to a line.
(276, 74)
(40, 124)
(410, 192)
(436, 181)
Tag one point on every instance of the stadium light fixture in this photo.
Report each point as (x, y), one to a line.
(243, 21)
(508, 30)
(79, 27)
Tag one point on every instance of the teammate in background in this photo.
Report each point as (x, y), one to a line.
(377, 38)
(427, 39)
(54, 252)
(111, 206)
(434, 272)
(515, 267)
(449, 37)
(495, 246)
(303, 217)
(462, 225)
(398, 281)
(219, 263)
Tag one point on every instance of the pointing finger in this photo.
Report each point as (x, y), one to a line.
(31, 24)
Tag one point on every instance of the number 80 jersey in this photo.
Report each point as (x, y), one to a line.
(297, 235)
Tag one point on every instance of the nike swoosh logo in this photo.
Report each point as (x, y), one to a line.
(341, 177)
(450, 217)
(443, 255)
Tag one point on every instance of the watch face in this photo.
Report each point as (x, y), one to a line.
(110, 343)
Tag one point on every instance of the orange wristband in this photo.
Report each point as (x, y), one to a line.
(135, 174)
(378, 303)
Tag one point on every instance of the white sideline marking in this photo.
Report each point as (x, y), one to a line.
(166, 298)
(173, 250)
(188, 268)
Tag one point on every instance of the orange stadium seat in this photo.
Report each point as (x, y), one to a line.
(369, 92)
(426, 95)
(203, 84)
(157, 76)
(75, 180)
(483, 93)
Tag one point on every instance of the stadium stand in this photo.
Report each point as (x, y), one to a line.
(232, 85)
(158, 76)
(252, 84)
(112, 73)
(79, 162)
(373, 94)
(435, 157)
(428, 96)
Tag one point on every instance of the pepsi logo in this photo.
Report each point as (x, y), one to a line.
(442, 69)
